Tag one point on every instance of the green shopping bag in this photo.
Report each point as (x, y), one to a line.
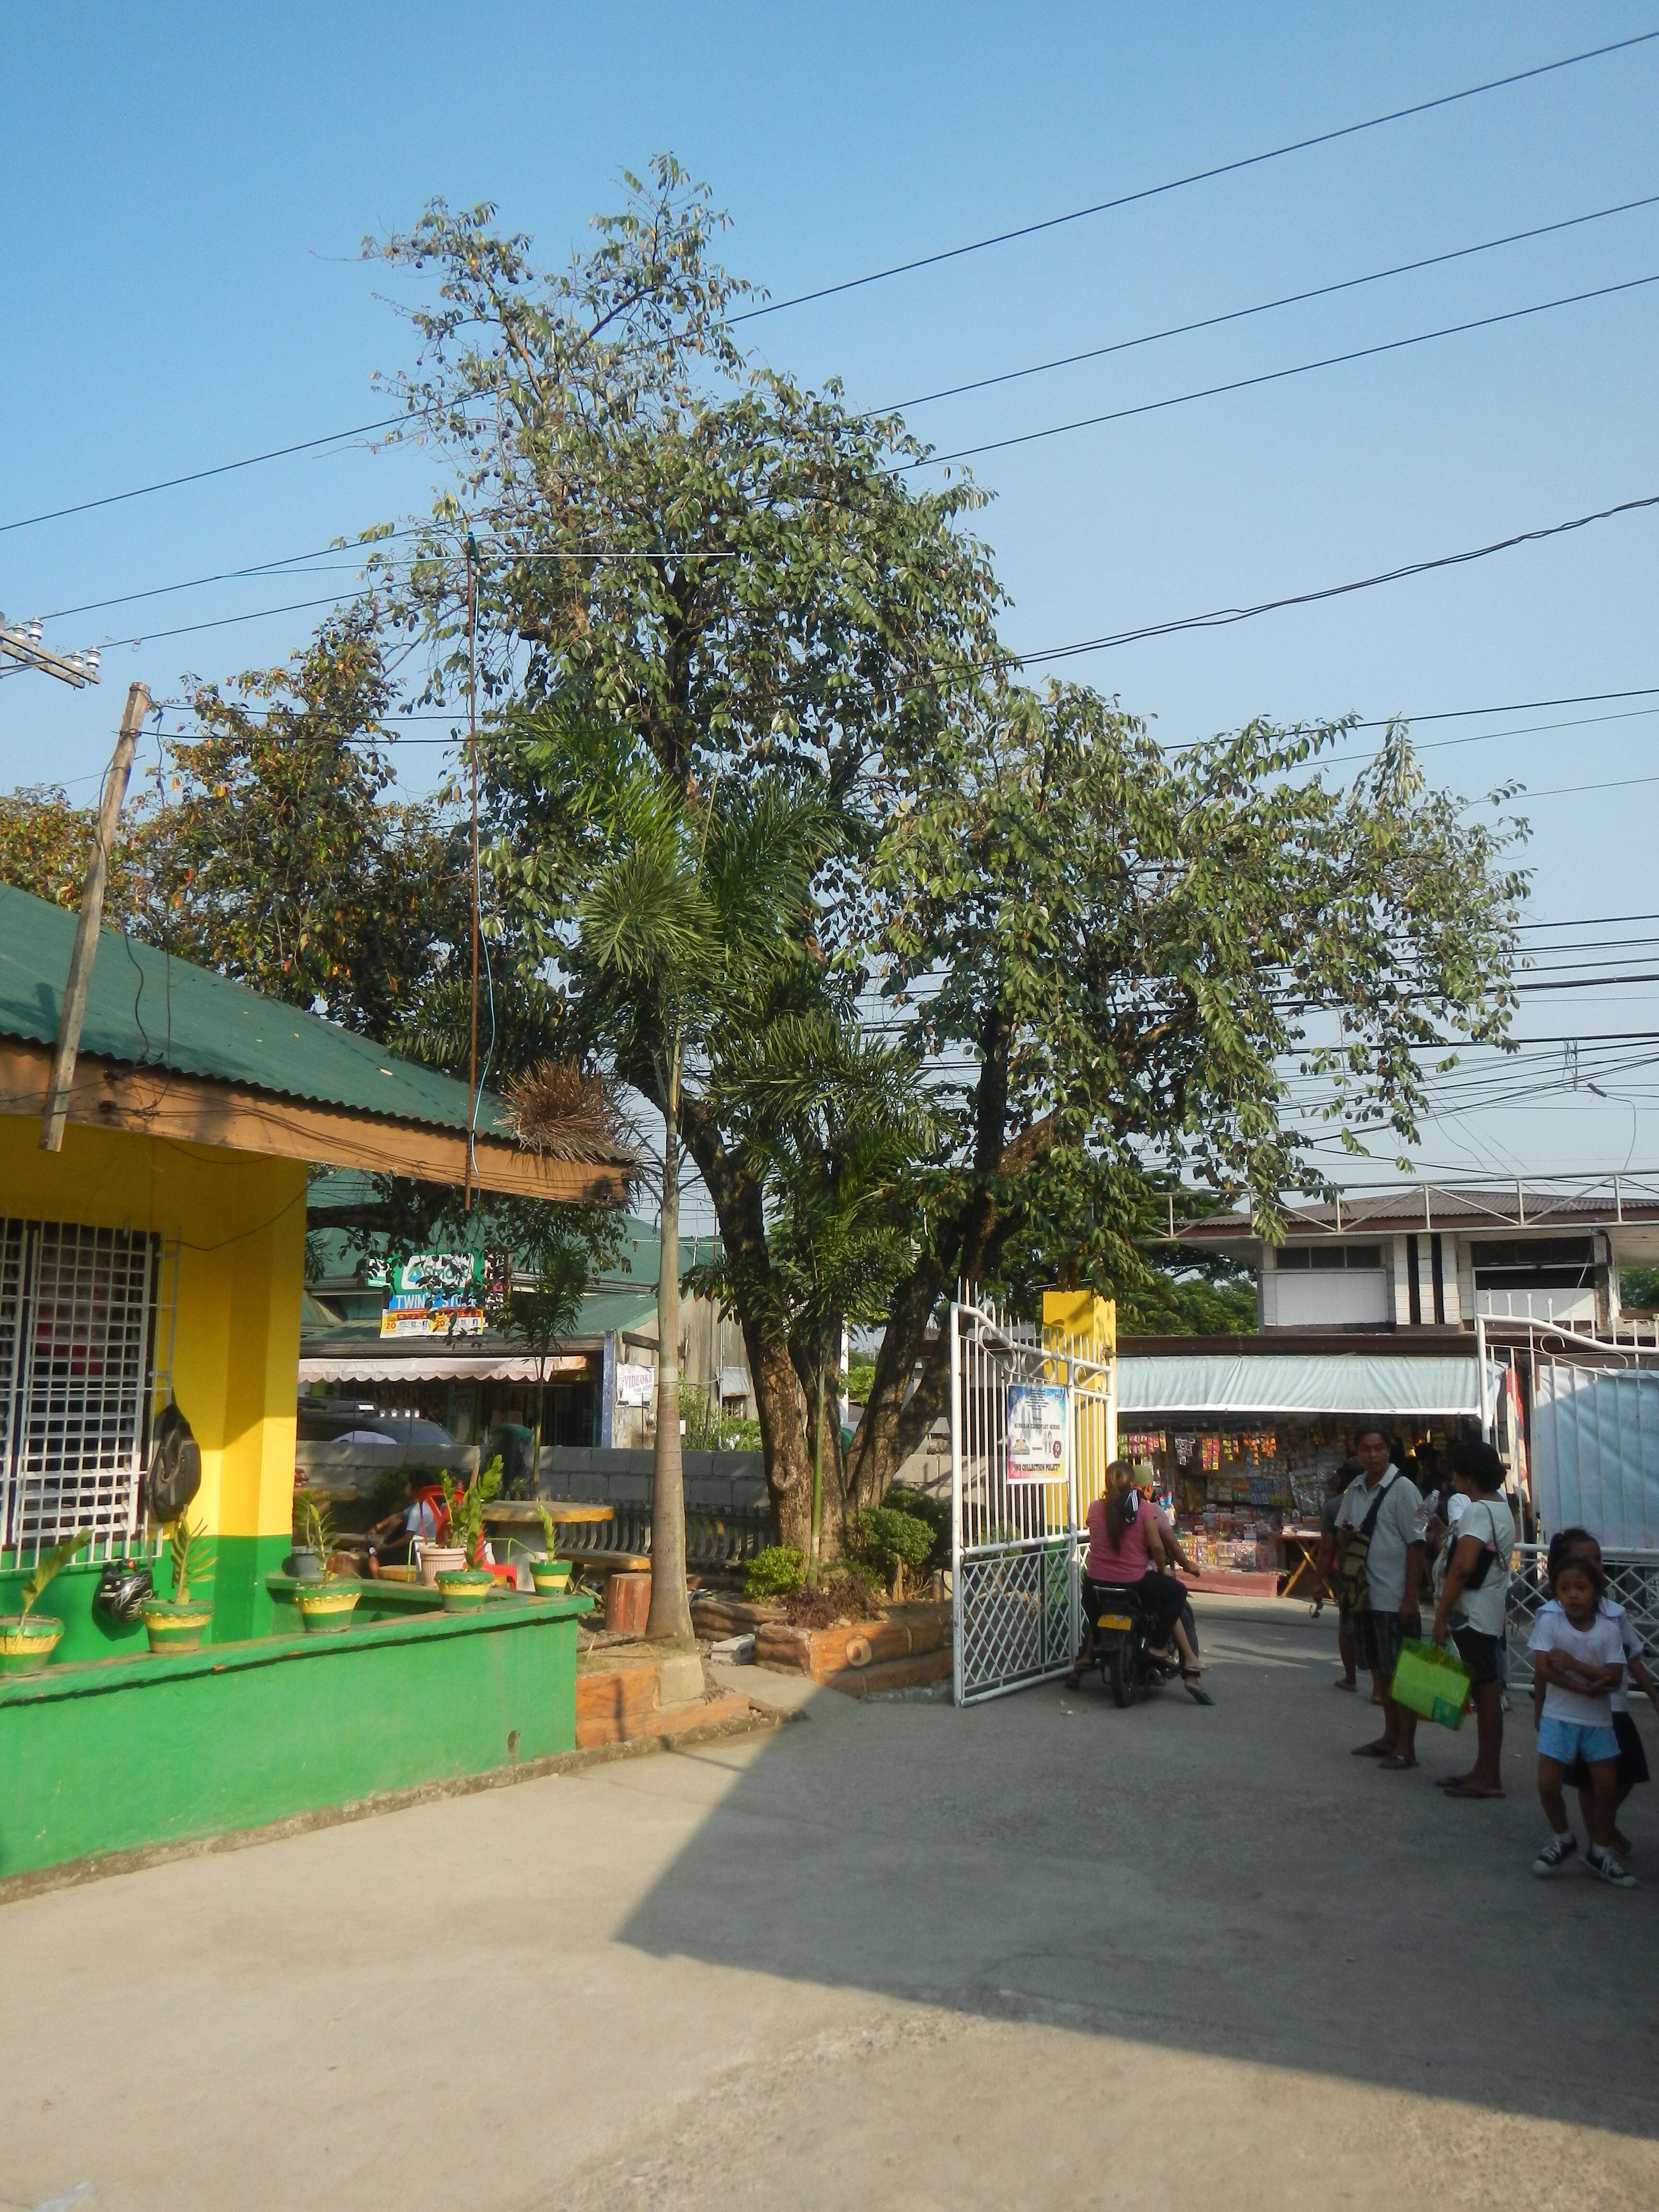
(1432, 1682)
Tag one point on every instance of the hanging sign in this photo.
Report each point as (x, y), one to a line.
(635, 1385)
(1036, 1431)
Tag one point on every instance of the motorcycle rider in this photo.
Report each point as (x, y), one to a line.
(1125, 1551)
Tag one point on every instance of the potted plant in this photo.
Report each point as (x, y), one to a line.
(27, 1639)
(464, 1588)
(305, 1563)
(176, 1623)
(550, 1575)
(327, 1602)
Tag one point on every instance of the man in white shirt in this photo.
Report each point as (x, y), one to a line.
(1379, 1530)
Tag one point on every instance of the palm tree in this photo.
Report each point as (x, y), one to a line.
(834, 1123)
(689, 916)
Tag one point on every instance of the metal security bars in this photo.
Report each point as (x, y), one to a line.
(1032, 1431)
(86, 1327)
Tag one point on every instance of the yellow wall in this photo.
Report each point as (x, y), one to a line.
(239, 1221)
(1087, 1325)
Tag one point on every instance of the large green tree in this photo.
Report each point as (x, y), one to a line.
(667, 541)
(278, 853)
(1120, 960)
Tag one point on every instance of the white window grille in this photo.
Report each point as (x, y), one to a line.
(86, 1329)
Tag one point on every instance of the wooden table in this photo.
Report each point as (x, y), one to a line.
(1302, 1545)
(517, 1513)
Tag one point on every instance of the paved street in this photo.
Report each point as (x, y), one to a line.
(1044, 1952)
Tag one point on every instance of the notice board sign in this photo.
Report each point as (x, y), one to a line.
(1036, 1431)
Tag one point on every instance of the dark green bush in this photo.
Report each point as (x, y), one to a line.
(891, 1544)
(774, 1572)
(920, 1506)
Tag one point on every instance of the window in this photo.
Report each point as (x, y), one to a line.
(1535, 1263)
(1324, 1258)
(79, 1308)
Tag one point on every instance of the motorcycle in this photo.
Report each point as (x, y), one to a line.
(1122, 1623)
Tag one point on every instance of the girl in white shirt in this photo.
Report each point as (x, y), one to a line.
(1581, 1657)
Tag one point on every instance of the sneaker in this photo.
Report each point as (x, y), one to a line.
(1604, 1865)
(1556, 1853)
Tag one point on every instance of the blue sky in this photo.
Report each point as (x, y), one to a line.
(186, 190)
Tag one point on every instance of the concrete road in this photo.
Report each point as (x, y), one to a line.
(1039, 1953)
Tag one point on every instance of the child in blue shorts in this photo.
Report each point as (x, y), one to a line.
(1579, 1655)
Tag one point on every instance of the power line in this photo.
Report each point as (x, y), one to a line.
(1220, 618)
(1270, 376)
(1263, 307)
(1194, 177)
(200, 476)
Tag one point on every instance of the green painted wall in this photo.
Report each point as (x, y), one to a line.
(122, 1753)
(87, 1634)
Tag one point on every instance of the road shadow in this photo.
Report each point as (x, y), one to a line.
(1231, 1883)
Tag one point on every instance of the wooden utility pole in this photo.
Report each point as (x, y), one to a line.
(472, 753)
(86, 929)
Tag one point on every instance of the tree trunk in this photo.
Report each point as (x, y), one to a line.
(783, 1433)
(778, 1403)
(670, 1610)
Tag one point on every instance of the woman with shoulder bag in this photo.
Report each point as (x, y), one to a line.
(1473, 1594)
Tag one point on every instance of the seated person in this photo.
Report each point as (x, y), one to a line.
(1125, 1551)
(391, 1542)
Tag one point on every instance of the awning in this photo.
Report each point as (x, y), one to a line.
(443, 1363)
(1289, 1382)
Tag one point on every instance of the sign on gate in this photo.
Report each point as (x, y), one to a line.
(1036, 1431)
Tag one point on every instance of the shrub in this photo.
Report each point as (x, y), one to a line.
(890, 1542)
(920, 1506)
(774, 1572)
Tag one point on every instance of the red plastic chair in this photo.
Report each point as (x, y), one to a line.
(434, 1496)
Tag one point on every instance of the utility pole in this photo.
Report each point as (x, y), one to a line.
(473, 755)
(21, 645)
(86, 928)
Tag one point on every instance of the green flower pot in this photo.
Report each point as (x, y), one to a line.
(173, 1626)
(463, 1589)
(326, 1607)
(27, 1641)
(550, 1577)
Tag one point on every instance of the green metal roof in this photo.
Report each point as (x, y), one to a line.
(148, 1010)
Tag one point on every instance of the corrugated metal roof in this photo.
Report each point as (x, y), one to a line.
(149, 1011)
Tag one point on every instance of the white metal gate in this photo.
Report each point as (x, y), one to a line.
(1033, 1427)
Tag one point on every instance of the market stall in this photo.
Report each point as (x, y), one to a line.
(1245, 1439)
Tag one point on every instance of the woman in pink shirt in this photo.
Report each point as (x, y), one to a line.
(1125, 1551)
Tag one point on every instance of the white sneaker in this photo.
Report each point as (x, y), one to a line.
(1607, 1869)
(1557, 1853)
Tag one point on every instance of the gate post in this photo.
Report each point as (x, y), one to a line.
(955, 1503)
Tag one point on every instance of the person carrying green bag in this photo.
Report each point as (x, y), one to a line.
(1471, 1611)
(1379, 1529)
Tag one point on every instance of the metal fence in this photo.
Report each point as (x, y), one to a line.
(1632, 1581)
(86, 1352)
(1032, 1429)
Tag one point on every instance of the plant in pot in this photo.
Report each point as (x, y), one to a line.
(27, 1639)
(465, 1587)
(305, 1563)
(550, 1575)
(327, 1602)
(177, 1623)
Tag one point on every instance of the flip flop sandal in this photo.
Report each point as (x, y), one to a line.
(1370, 1751)
(1339, 1685)
(1456, 1791)
(1394, 1764)
(1190, 1683)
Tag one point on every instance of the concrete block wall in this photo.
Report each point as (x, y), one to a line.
(715, 1481)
